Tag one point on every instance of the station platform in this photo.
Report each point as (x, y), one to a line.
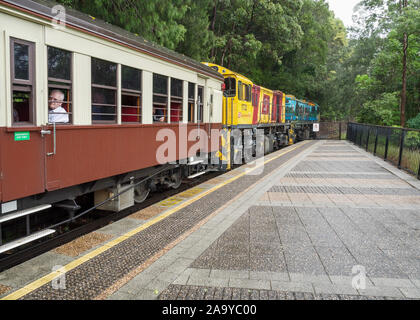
(316, 220)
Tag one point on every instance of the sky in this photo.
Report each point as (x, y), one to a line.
(343, 10)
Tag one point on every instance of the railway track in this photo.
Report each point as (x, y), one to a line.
(96, 220)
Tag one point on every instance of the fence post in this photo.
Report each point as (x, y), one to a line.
(418, 173)
(401, 148)
(376, 141)
(387, 143)
(367, 140)
(339, 131)
(348, 132)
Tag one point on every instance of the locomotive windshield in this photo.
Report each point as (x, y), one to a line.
(230, 90)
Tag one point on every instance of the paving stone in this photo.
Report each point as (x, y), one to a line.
(416, 282)
(303, 259)
(300, 277)
(122, 295)
(387, 282)
(198, 273)
(272, 263)
(258, 275)
(227, 293)
(212, 282)
(413, 293)
(182, 279)
(337, 261)
(347, 280)
(218, 294)
(250, 284)
(236, 293)
(146, 294)
(381, 292)
(287, 286)
(209, 294)
(229, 274)
(334, 289)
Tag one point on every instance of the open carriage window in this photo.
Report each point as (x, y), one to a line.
(200, 104)
(104, 91)
(59, 86)
(131, 104)
(191, 101)
(160, 98)
(176, 100)
(23, 81)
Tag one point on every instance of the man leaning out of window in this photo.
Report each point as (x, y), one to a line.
(56, 113)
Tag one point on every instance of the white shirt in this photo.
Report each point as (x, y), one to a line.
(60, 117)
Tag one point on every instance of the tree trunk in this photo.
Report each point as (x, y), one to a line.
(404, 81)
(404, 75)
(213, 25)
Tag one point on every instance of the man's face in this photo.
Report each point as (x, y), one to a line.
(55, 100)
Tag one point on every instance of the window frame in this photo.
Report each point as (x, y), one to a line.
(177, 99)
(229, 91)
(133, 93)
(191, 103)
(161, 95)
(106, 87)
(240, 90)
(22, 85)
(68, 85)
(200, 105)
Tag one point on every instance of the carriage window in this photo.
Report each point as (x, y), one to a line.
(176, 100)
(104, 91)
(131, 95)
(248, 93)
(200, 114)
(23, 75)
(240, 91)
(160, 98)
(59, 86)
(191, 101)
(230, 84)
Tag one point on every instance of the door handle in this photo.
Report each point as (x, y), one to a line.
(45, 132)
(55, 140)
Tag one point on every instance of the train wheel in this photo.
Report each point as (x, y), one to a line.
(141, 193)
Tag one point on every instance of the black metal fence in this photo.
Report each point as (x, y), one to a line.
(332, 130)
(396, 145)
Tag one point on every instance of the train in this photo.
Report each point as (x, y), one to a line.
(88, 108)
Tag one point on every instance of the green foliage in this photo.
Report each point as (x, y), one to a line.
(412, 140)
(383, 111)
(382, 28)
(414, 123)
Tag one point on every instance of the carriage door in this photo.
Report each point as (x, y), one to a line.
(279, 107)
(274, 108)
(210, 110)
(255, 102)
(22, 144)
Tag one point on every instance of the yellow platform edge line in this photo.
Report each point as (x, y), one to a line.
(51, 276)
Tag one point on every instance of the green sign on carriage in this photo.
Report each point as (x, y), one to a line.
(22, 136)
